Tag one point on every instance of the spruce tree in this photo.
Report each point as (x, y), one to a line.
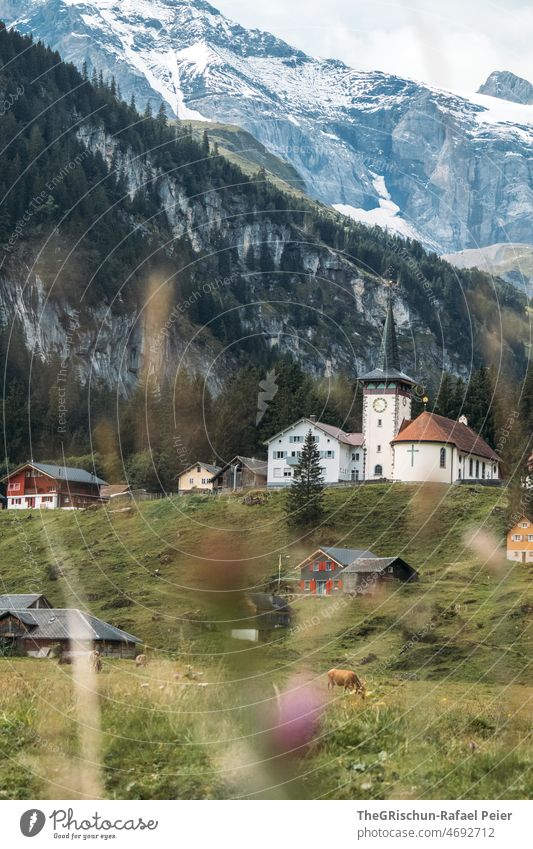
(304, 504)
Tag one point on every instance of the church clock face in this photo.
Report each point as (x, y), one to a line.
(379, 405)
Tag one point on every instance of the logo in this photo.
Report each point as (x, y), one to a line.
(32, 822)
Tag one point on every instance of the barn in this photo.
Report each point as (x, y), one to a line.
(41, 631)
(241, 473)
(363, 575)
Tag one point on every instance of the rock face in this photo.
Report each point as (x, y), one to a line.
(455, 171)
(507, 86)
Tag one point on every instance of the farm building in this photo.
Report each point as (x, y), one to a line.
(198, 477)
(241, 473)
(320, 573)
(49, 487)
(520, 541)
(38, 631)
(363, 575)
(351, 570)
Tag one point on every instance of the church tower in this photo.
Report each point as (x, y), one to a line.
(387, 395)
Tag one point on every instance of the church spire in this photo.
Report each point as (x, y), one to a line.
(389, 354)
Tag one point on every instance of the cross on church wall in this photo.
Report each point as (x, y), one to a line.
(412, 451)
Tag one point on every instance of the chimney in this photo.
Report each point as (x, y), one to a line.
(463, 420)
(312, 418)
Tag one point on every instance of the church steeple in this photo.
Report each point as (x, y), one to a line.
(389, 355)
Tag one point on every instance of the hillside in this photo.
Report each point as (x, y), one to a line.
(449, 655)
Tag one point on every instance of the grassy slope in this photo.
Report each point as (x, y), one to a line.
(446, 659)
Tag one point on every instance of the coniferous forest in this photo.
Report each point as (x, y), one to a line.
(92, 234)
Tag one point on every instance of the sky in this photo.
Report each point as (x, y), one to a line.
(453, 44)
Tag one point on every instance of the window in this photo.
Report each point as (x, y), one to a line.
(277, 472)
(205, 480)
(477, 468)
(328, 565)
(13, 487)
(378, 449)
(191, 480)
(378, 470)
(327, 455)
(380, 422)
(279, 455)
(517, 538)
(524, 525)
(198, 470)
(296, 439)
(483, 470)
(28, 474)
(443, 458)
(307, 584)
(471, 467)
(530, 537)
(316, 566)
(459, 474)
(287, 473)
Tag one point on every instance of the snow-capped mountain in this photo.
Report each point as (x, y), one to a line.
(452, 169)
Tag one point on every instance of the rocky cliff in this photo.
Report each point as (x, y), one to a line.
(454, 170)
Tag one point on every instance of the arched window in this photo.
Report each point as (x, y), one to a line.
(443, 458)
(378, 471)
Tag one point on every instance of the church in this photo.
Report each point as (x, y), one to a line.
(392, 446)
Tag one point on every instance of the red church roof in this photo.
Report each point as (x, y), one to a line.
(429, 427)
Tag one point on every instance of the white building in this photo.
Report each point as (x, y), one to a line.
(393, 447)
(341, 454)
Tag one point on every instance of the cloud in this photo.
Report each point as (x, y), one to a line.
(453, 45)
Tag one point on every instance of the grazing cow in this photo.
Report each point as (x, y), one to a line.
(347, 679)
(95, 660)
(140, 660)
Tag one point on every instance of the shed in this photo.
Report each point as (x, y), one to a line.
(364, 574)
(35, 631)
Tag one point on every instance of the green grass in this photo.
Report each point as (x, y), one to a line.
(446, 660)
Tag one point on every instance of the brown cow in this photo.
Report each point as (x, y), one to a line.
(140, 660)
(347, 679)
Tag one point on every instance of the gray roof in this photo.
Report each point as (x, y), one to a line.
(388, 374)
(67, 473)
(370, 564)
(20, 601)
(209, 466)
(345, 556)
(64, 623)
(257, 466)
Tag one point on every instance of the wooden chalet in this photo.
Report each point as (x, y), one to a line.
(48, 486)
(350, 570)
(241, 473)
(28, 624)
(366, 573)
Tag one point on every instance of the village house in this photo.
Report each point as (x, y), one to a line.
(47, 486)
(392, 446)
(520, 541)
(30, 625)
(320, 573)
(241, 473)
(328, 571)
(198, 477)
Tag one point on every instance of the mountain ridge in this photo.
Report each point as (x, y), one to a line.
(448, 169)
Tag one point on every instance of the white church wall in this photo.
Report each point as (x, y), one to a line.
(383, 412)
(421, 461)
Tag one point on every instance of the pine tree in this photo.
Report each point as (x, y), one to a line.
(304, 504)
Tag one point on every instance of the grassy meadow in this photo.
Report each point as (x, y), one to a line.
(446, 661)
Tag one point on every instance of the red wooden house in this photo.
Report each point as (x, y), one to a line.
(320, 573)
(48, 486)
